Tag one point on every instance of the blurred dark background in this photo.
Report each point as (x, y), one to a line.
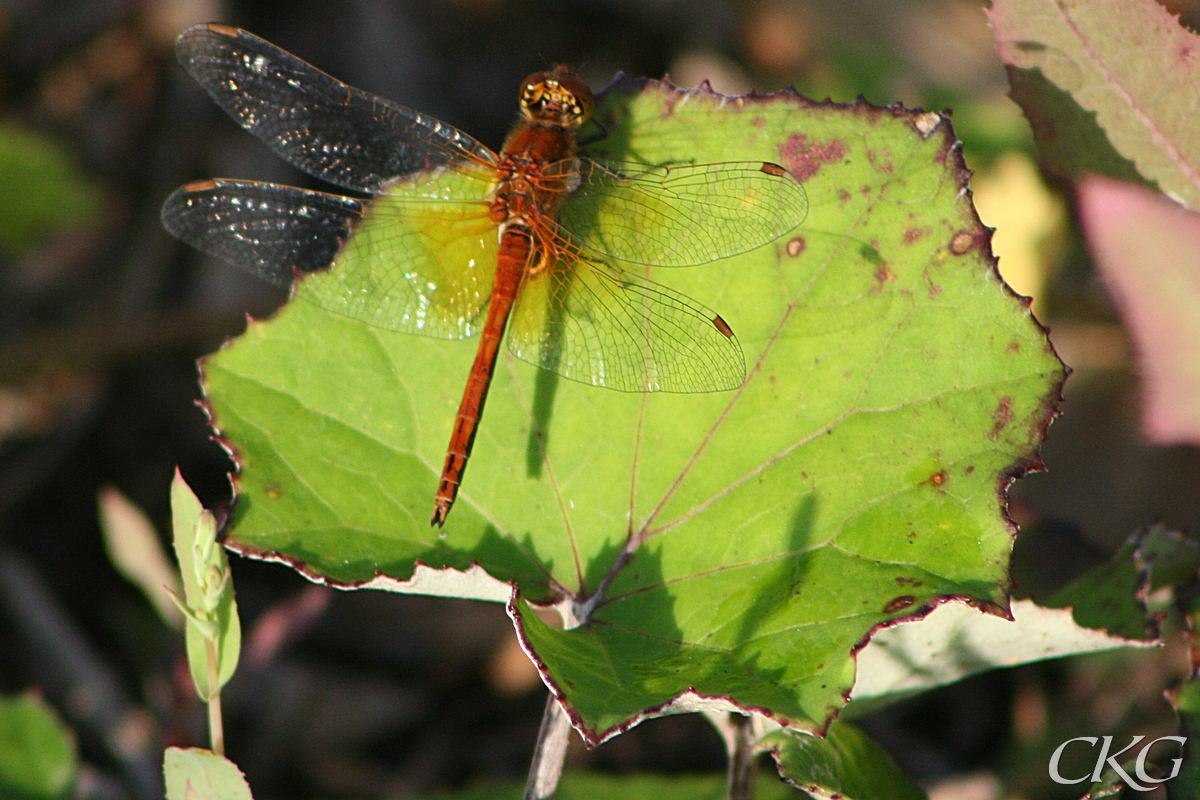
(102, 317)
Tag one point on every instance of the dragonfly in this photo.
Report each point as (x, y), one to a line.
(539, 243)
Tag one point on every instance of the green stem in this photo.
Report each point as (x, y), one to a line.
(216, 724)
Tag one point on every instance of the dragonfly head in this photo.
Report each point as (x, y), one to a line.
(557, 97)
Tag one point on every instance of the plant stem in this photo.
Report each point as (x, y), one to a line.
(216, 724)
(549, 753)
(740, 783)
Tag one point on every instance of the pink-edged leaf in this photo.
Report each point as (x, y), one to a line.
(1114, 58)
(1148, 252)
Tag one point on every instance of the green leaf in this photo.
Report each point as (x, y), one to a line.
(43, 190)
(1069, 141)
(1114, 57)
(1186, 699)
(1111, 596)
(588, 786)
(213, 631)
(746, 542)
(1173, 558)
(37, 753)
(196, 774)
(954, 642)
(842, 765)
(1109, 785)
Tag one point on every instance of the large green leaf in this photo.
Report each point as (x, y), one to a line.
(745, 542)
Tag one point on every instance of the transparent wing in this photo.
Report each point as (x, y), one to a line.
(317, 123)
(594, 323)
(417, 266)
(274, 232)
(683, 214)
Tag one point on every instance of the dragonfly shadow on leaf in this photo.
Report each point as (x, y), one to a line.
(775, 587)
(614, 144)
(546, 382)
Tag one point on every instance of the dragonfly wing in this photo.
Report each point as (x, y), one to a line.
(413, 266)
(320, 125)
(681, 214)
(594, 323)
(274, 232)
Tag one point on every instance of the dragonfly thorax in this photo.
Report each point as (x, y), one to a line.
(558, 97)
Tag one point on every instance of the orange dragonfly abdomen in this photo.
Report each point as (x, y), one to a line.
(515, 252)
(537, 172)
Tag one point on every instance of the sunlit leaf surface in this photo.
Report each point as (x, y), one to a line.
(894, 385)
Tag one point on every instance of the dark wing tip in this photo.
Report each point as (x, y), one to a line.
(722, 326)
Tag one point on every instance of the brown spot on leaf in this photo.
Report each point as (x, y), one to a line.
(907, 581)
(883, 276)
(1002, 416)
(915, 234)
(933, 288)
(937, 479)
(899, 603)
(962, 243)
(803, 157)
(843, 195)
(882, 163)
(796, 246)
(1013, 347)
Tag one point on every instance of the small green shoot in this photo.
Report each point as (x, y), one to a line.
(213, 632)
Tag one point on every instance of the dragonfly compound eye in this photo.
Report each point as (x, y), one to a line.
(560, 97)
